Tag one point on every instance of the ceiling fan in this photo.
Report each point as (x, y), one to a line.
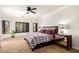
(29, 9)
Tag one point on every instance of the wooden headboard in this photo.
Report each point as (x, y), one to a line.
(50, 28)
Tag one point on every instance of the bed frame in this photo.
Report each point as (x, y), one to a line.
(50, 42)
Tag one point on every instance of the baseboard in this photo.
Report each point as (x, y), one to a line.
(75, 48)
(5, 38)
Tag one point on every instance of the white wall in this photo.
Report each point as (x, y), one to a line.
(68, 15)
(12, 26)
(75, 32)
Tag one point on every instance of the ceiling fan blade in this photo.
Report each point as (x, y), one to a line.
(33, 8)
(33, 12)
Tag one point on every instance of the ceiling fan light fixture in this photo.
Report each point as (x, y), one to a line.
(29, 9)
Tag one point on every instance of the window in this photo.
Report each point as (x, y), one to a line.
(22, 27)
(35, 27)
(5, 27)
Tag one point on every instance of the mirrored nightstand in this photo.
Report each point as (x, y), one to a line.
(67, 42)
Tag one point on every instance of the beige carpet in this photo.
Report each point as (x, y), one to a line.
(19, 45)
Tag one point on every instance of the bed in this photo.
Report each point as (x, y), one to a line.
(45, 35)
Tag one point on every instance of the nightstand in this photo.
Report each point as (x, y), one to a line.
(67, 42)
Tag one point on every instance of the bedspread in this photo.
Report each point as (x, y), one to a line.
(37, 38)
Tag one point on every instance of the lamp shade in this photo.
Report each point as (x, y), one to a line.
(63, 26)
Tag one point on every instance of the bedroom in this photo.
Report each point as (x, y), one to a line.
(46, 15)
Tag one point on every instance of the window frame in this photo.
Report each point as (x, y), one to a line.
(23, 27)
(35, 27)
(4, 27)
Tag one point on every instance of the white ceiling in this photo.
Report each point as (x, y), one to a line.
(21, 9)
(45, 9)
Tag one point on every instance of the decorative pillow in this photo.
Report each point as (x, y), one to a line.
(55, 31)
(48, 31)
(42, 31)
